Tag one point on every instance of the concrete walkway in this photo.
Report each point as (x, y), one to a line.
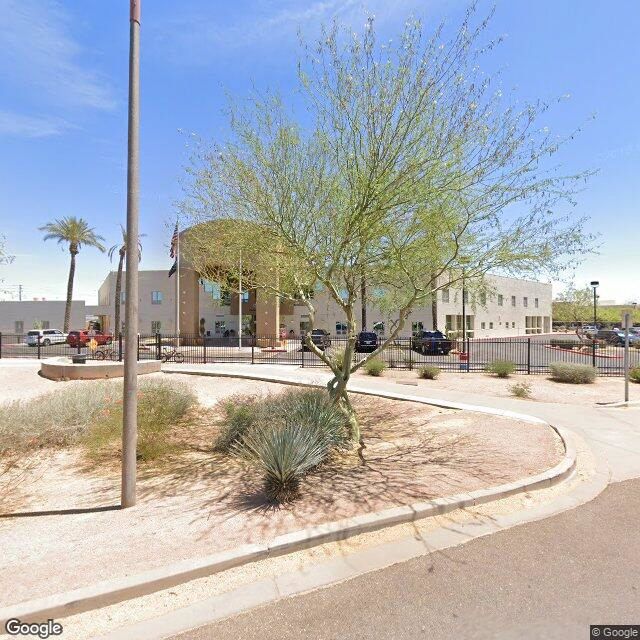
(613, 434)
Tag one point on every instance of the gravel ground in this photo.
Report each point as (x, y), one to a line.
(202, 503)
(543, 389)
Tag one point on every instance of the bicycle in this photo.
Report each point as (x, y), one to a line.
(172, 354)
(106, 353)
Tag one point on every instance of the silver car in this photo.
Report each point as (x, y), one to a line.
(46, 337)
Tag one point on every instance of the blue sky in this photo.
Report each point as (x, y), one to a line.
(63, 99)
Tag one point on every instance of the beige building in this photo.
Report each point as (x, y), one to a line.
(512, 308)
(19, 317)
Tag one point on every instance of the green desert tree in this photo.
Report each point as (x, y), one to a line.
(75, 232)
(5, 258)
(121, 249)
(574, 306)
(408, 163)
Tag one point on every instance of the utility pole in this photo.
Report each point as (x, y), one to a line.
(130, 395)
(627, 324)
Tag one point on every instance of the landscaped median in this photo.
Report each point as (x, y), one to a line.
(201, 512)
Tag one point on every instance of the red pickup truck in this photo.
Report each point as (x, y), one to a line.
(82, 338)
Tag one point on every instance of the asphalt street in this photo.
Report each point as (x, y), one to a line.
(547, 579)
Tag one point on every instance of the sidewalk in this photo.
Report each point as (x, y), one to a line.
(613, 434)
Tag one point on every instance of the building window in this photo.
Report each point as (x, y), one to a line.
(245, 296)
(45, 324)
(533, 324)
(416, 327)
(536, 302)
(341, 328)
(445, 295)
(513, 301)
(482, 325)
(156, 297)
(220, 326)
(500, 299)
(123, 297)
(19, 326)
(155, 326)
(513, 325)
(483, 298)
(491, 325)
(525, 301)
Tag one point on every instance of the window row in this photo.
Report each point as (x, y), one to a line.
(446, 297)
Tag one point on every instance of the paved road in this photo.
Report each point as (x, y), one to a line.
(547, 579)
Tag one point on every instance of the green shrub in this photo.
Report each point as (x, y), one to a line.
(161, 403)
(429, 372)
(573, 373)
(91, 413)
(283, 454)
(564, 343)
(293, 433)
(521, 389)
(241, 413)
(634, 374)
(501, 368)
(375, 367)
(338, 358)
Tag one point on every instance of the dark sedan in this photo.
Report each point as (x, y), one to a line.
(430, 342)
(366, 341)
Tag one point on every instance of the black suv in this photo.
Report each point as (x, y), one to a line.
(430, 342)
(366, 341)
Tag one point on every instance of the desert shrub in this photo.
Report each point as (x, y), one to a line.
(161, 403)
(240, 414)
(501, 368)
(54, 419)
(520, 390)
(573, 373)
(564, 343)
(634, 374)
(429, 372)
(375, 367)
(283, 453)
(338, 358)
(293, 433)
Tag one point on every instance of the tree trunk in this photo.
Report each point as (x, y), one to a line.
(67, 309)
(116, 329)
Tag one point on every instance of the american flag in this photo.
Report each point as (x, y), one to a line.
(174, 242)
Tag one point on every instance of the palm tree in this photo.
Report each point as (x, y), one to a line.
(76, 232)
(121, 249)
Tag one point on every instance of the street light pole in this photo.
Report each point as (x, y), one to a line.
(464, 315)
(130, 394)
(594, 284)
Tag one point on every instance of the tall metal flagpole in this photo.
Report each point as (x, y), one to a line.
(130, 394)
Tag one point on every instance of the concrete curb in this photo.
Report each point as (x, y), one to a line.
(113, 591)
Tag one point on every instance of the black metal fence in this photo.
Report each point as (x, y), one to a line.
(532, 355)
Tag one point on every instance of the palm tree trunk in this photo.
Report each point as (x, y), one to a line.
(116, 328)
(434, 306)
(67, 309)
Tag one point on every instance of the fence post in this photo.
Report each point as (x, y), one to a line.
(0, 344)
(529, 356)
(138, 349)
(302, 349)
(253, 346)
(468, 355)
(120, 347)
(410, 357)
(593, 352)
(157, 346)
(204, 349)
(38, 346)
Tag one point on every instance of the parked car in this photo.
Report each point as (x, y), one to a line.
(615, 337)
(367, 341)
(589, 329)
(46, 337)
(82, 338)
(320, 338)
(431, 342)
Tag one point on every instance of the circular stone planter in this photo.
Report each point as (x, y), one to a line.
(63, 369)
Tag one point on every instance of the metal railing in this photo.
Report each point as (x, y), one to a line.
(532, 355)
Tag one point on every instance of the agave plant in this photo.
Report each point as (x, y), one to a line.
(284, 454)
